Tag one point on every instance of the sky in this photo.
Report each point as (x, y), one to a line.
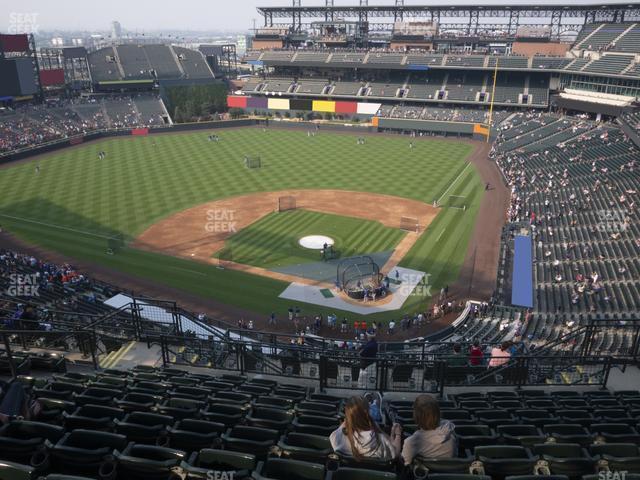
(147, 15)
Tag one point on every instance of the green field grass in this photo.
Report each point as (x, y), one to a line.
(77, 200)
(272, 241)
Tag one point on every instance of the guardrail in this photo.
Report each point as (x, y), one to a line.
(411, 372)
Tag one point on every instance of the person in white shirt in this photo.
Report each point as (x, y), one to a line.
(360, 437)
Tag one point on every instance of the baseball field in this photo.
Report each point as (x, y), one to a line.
(110, 211)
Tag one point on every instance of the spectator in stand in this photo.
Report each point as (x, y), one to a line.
(500, 355)
(368, 355)
(435, 438)
(360, 437)
(458, 358)
(476, 355)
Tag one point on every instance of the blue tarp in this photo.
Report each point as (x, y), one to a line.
(522, 280)
(421, 68)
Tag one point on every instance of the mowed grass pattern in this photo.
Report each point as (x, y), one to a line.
(272, 241)
(76, 199)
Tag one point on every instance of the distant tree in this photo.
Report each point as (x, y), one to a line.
(236, 112)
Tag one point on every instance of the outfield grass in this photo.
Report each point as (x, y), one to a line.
(272, 241)
(82, 200)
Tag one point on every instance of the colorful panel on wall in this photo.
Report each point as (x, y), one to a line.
(235, 101)
(346, 107)
(278, 104)
(368, 108)
(324, 106)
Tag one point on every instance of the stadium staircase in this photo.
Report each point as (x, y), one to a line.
(118, 62)
(174, 55)
(631, 27)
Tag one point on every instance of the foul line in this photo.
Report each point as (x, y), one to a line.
(52, 225)
(441, 233)
(454, 182)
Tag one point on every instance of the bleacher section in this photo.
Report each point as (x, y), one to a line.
(346, 88)
(465, 61)
(464, 86)
(282, 85)
(612, 64)
(551, 63)
(380, 89)
(509, 62)
(630, 41)
(134, 62)
(603, 37)
(428, 60)
(103, 65)
(311, 57)
(193, 63)
(34, 125)
(509, 86)
(314, 86)
(162, 61)
(586, 247)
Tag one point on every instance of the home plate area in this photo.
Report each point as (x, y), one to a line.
(399, 291)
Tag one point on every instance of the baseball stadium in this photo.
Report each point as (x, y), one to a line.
(391, 241)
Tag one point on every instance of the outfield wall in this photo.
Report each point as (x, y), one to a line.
(473, 130)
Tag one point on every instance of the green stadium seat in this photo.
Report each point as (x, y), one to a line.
(192, 435)
(201, 463)
(180, 408)
(568, 459)
(617, 456)
(137, 402)
(525, 435)
(287, 469)
(16, 471)
(302, 446)
(228, 415)
(20, 440)
(86, 452)
(423, 466)
(347, 473)
(143, 427)
(93, 417)
(315, 425)
(146, 462)
(470, 436)
(500, 461)
(273, 402)
(255, 440)
(568, 433)
(269, 418)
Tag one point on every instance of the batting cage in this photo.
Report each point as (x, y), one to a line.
(252, 161)
(286, 203)
(355, 274)
(409, 224)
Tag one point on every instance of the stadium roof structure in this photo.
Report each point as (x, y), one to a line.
(464, 17)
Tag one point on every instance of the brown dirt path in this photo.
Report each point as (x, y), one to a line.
(200, 231)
